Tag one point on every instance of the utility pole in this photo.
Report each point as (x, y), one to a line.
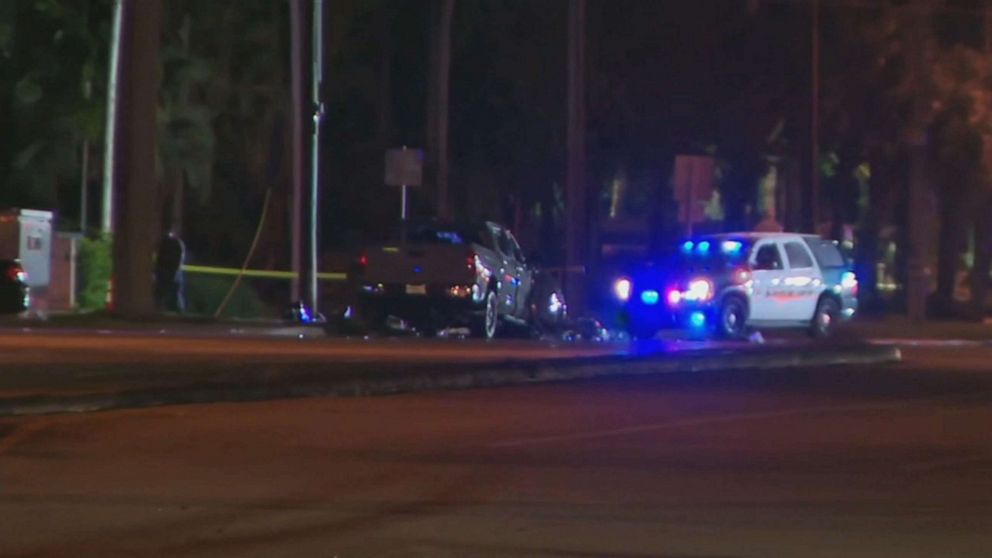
(303, 286)
(297, 24)
(576, 242)
(106, 219)
(919, 218)
(444, 71)
(316, 97)
(442, 12)
(135, 154)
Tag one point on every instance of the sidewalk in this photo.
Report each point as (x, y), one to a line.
(163, 324)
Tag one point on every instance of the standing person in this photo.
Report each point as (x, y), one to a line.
(168, 273)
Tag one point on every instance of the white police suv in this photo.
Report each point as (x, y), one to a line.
(731, 283)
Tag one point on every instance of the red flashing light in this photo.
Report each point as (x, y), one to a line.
(363, 260)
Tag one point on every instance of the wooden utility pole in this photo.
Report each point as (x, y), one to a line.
(920, 216)
(576, 226)
(298, 37)
(438, 100)
(135, 154)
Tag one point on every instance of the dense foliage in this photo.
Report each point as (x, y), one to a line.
(729, 79)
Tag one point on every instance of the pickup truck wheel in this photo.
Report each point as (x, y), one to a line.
(824, 319)
(487, 326)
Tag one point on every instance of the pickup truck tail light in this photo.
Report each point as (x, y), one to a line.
(622, 288)
(470, 260)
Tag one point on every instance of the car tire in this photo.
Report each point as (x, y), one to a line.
(487, 326)
(732, 319)
(824, 319)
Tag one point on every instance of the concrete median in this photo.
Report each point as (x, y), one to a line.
(169, 383)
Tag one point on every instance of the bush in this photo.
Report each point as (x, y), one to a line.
(94, 272)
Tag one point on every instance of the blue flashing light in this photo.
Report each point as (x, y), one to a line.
(687, 246)
(703, 247)
(650, 297)
(731, 247)
(697, 319)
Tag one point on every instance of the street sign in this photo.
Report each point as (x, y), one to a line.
(404, 167)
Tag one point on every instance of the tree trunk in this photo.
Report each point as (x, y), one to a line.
(983, 256)
(134, 165)
(918, 233)
(920, 214)
(437, 103)
(576, 219)
(948, 253)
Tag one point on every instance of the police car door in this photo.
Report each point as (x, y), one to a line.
(770, 300)
(804, 281)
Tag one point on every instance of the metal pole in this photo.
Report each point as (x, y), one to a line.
(106, 220)
(318, 116)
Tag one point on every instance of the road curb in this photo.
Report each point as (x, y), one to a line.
(285, 380)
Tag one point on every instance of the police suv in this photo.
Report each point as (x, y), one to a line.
(731, 283)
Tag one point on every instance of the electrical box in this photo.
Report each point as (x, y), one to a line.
(26, 235)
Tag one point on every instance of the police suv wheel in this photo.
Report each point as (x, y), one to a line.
(732, 319)
(825, 318)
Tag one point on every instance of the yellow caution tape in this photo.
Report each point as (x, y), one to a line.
(271, 274)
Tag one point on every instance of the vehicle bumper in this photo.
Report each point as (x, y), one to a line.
(451, 302)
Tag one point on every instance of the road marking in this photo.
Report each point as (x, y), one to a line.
(706, 421)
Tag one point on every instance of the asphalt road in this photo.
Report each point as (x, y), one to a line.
(888, 461)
